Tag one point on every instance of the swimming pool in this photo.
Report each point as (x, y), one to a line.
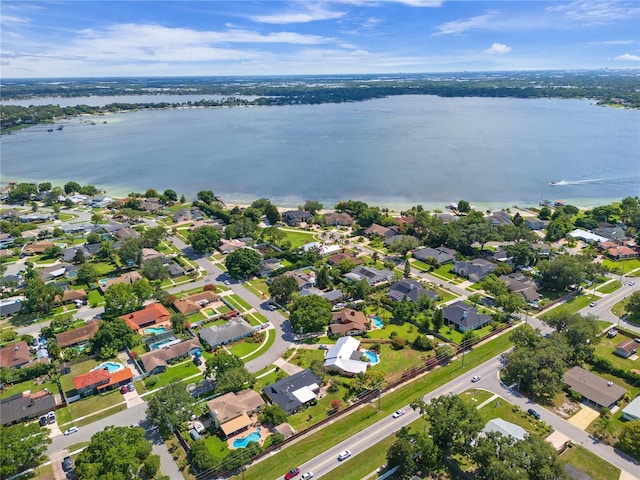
(163, 343)
(110, 366)
(154, 330)
(377, 322)
(244, 441)
(372, 356)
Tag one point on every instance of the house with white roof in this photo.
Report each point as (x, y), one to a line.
(632, 411)
(345, 357)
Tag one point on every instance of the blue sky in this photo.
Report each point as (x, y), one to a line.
(217, 37)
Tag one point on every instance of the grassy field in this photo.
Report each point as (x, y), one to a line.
(271, 337)
(30, 385)
(393, 362)
(306, 448)
(622, 265)
(605, 349)
(609, 287)
(238, 303)
(589, 463)
(91, 404)
(298, 238)
(571, 306)
(179, 372)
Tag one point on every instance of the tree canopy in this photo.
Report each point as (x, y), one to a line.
(204, 239)
(282, 289)
(170, 408)
(243, 263)
(310, 314)
(22, 448)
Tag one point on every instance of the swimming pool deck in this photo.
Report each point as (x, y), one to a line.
(264, 433)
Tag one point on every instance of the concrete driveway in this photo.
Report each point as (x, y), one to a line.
(56, 463)
(584, 417)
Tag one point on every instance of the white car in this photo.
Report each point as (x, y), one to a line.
(398, 413)
(71, 430)
(344, 455)
(306, 475)
(592, 304)
(475, 378)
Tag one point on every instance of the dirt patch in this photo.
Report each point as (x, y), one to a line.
(567, 409)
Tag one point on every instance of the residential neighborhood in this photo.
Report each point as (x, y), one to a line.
(252, 331)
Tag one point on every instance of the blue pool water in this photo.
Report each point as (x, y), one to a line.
(373, 357)
(110, 366)
(244, 441)
(377, 322)
(162, 343)
(154, 330)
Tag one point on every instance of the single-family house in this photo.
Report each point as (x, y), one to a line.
(499, 218)
(345, 357)
(268, 266)
(338, 257)
(304, 278)
(126, 232)
(441, 255)
(337, 219)
(334, 296)
(626, 348)
(293, 392)
(158, 360)
(475, 270)
(231, 412)
(10, 306)
(182, 216)
(348, 322)
(593, 388)
(36, 248)
(464, 316)
(25, 406)
(504, 428)
(15, 355)
(129, 278)
(585, 236)
(101, 380)
(153, 315)
(70, 296)
(194, 303)
(150, 254)
(230, 245)
(523, 286)
(99, 201)
(69, 254)
(632, 411)
(321, 249)
(372, 275)
(53, 271)
(381, 231)
(622, 252)
(533, 223)
(234, 330)
(36, 218)
(541, 249)
(615, 233)
(173, 268)
(410, 290)
(6, 240)
(296, 217)
(78, 336)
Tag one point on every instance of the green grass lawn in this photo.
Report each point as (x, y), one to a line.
(243, 348)
(94, 297)
(609, 287)
(238, 303)
(267, 379)
(216, 446)
(406, 330)
(65, 217)
(255, 319)
(91, 404)
(620, 308)
(31, 386)
(99, 416)
(622, 265)
(179, 372)
(258, 287)
(500, 408)
(589, 463)
(605, 349)
(571, 306)
(271, 337)
(307, 447)
(304, 357)
(476, 396)
(317, 412)
(393, 362)
(298, 238)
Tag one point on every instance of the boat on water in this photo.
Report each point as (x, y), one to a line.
(559, 182)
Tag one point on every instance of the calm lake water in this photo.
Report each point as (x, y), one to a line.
(393, 152)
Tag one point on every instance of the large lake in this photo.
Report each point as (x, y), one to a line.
(393, 152)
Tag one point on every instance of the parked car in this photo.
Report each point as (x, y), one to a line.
(398, 413)
(291, 473)
(475, 378)
(533, 413)
(123, 389)
(51, 417)
(323, 347)
(307, 475)
(66, 464)
(197, 361)
(71, 430)
(130, 387)
(43, 421)
(344, 455)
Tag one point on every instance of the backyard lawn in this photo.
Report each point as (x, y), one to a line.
(606, 347)
(569, 307)
(405, 330)
(298, 238)
(179, 372)
(29, 385)
(393, 362)
(622, 266)
(589, 463)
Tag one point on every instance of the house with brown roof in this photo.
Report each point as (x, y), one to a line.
(150, 254)
(101, 380)
(337, 219)
(128, 278)
(69, 296)
(78, 336)
(36, 248)
(15, 355)
(384, 232)
(338, 257)
(194, 303)
(348, 322)
(153, 315)
(302, 278)
(158, 360)
(231, 412)
(621, 252)
(626, 348)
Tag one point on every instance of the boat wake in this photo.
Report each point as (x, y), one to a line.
(589, 181)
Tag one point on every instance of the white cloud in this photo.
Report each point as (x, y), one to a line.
(310, 13)
(461, 26)
(497, 49)
(8, 19)
(611, 42)
(627, 57)
(596, 12)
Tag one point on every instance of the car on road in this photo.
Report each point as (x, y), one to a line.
(533, 413)
(631, 284)
(398, 413)
(344, 455)
(637, 340)
(291, 473)
(66, 464)
(592, 304)
(475, 378)
(71, 430)
(306, 475)
(323, 347)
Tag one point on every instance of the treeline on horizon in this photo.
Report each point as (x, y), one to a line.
(605, 87)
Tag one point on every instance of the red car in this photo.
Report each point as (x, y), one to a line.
(291, 473)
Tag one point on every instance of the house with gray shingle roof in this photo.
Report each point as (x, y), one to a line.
(411, 290)
(373, 276)
(465, 317)
(441, 254)
(234, 330)
(475, 270)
